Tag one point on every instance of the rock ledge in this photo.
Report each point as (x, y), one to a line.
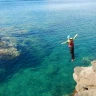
(85, 78)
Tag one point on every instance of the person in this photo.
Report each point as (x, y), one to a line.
(70, 42)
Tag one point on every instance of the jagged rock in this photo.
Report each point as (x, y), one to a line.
(77, 70)
(87, 93)
(85, 78)
(93, 65)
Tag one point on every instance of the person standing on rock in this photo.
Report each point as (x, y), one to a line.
(70, 42)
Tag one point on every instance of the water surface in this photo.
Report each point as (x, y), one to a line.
(43, 66)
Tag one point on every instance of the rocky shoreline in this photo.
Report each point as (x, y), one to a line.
(85, 78)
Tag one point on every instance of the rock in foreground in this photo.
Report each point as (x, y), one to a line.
(85, 78)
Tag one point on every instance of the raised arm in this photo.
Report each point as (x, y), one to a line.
(75, 36)
(64, 42)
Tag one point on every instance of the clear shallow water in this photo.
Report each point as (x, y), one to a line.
(36, 30)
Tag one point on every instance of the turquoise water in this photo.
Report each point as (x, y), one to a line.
(42, 66)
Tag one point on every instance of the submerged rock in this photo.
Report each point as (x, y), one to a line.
(9, 53)
(85, 78)
(8, 48)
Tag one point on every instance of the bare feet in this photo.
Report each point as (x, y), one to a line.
(72, 60)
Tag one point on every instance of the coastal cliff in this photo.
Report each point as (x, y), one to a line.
(85, 78)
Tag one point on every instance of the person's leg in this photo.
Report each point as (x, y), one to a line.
(72, 53)
(73, 57)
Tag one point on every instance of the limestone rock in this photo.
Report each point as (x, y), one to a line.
(93, 65)
(85, 78)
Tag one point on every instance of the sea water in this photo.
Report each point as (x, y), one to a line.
(36, 30)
